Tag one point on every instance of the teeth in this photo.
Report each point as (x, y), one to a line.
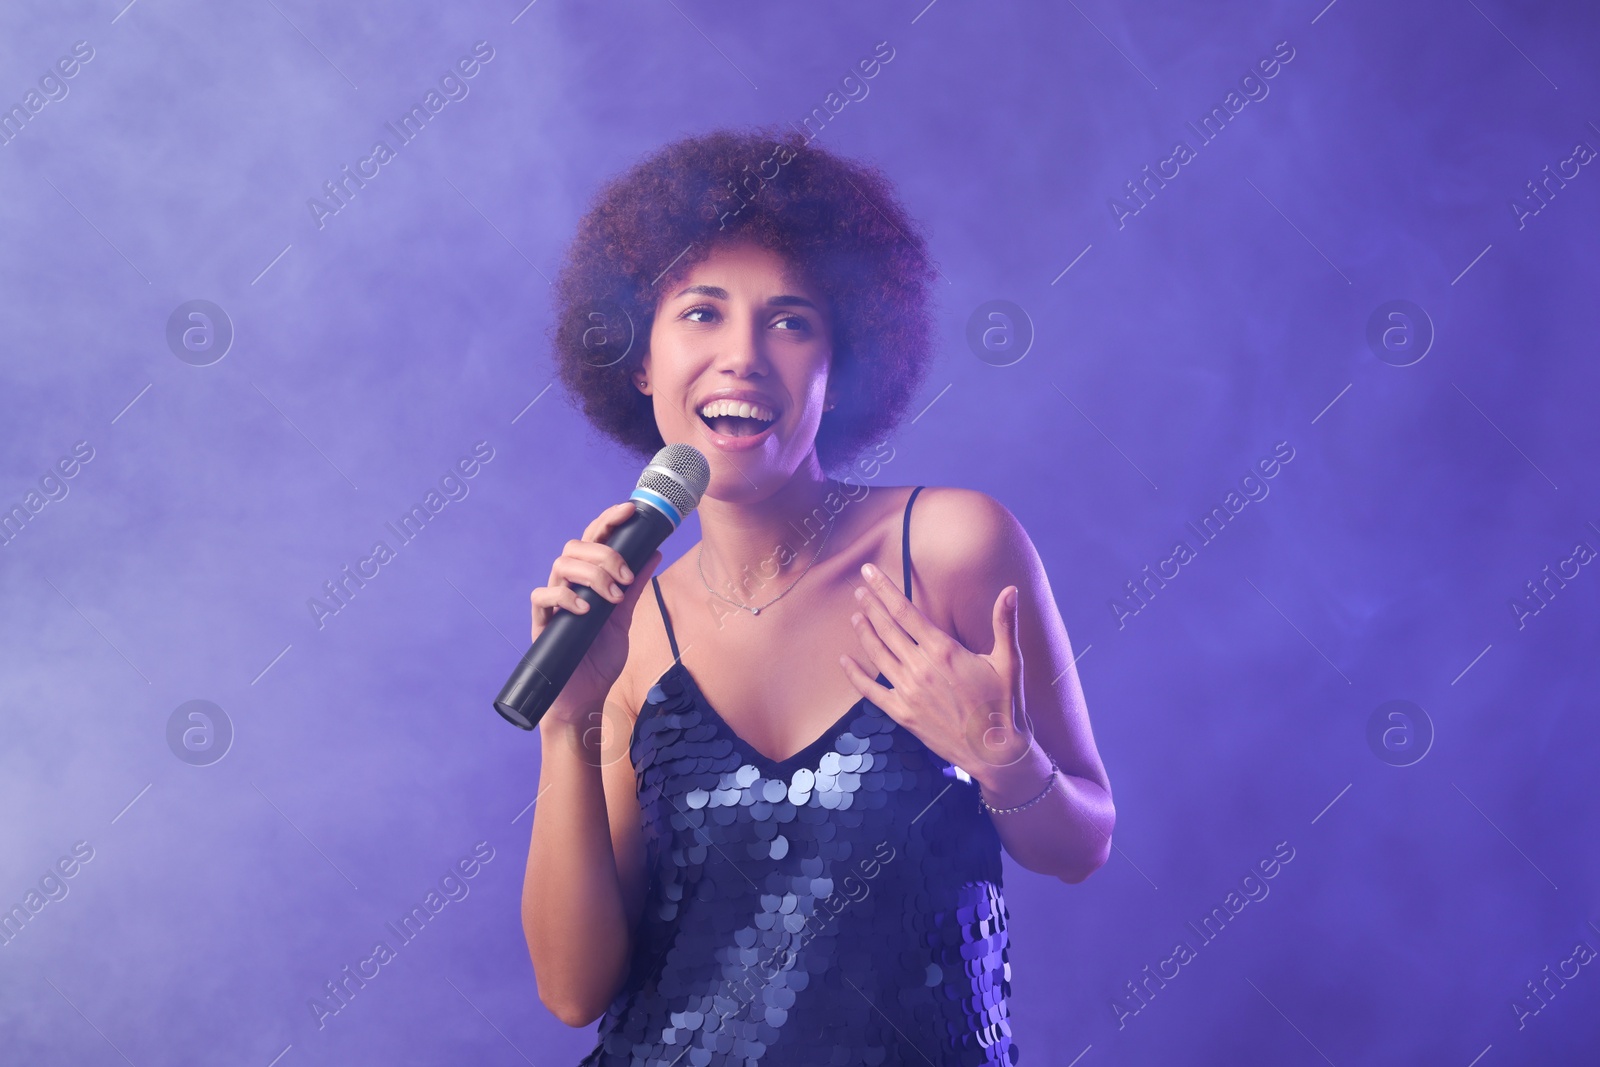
(740, 408)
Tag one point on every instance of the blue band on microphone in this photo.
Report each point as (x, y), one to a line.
(660, 503)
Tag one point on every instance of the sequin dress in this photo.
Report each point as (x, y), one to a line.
(840, 907)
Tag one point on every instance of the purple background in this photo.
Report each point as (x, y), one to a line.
(372, 353)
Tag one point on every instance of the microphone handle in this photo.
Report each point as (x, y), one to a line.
(548, 665)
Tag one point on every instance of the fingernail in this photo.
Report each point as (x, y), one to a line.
(615, 590)
(861, 594)
(627, 575)
(869, 570)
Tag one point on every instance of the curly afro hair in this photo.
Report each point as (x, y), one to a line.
(837, 221)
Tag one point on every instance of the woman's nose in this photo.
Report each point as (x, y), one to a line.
(745, 351)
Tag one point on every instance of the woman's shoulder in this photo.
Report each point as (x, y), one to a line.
(935, 504)
(959, 524)
(965, 547)
(952, 528)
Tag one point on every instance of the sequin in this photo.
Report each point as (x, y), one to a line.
(843, 907)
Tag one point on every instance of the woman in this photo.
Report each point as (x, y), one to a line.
(722, 865)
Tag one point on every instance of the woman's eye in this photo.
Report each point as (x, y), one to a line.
(793, 322)
(701, 310)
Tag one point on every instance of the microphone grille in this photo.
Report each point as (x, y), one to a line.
(680, 473)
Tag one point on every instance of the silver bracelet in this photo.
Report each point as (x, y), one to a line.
(1048, 783)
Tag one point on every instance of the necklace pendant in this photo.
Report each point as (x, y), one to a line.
(755, 611)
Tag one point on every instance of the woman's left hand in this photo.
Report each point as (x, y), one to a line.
(966, 707)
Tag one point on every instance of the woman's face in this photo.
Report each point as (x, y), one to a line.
(738, 365)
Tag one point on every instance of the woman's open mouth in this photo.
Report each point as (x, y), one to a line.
(737, 424)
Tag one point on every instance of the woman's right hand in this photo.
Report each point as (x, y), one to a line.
(590, 562)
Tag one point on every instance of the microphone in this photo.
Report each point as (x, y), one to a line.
(669, 488)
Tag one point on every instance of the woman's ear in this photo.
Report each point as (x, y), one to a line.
(641, 373)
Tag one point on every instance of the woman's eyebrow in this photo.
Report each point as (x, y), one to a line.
(716, 292)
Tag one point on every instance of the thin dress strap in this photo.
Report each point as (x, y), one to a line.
(905, 541)
(664, 617)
